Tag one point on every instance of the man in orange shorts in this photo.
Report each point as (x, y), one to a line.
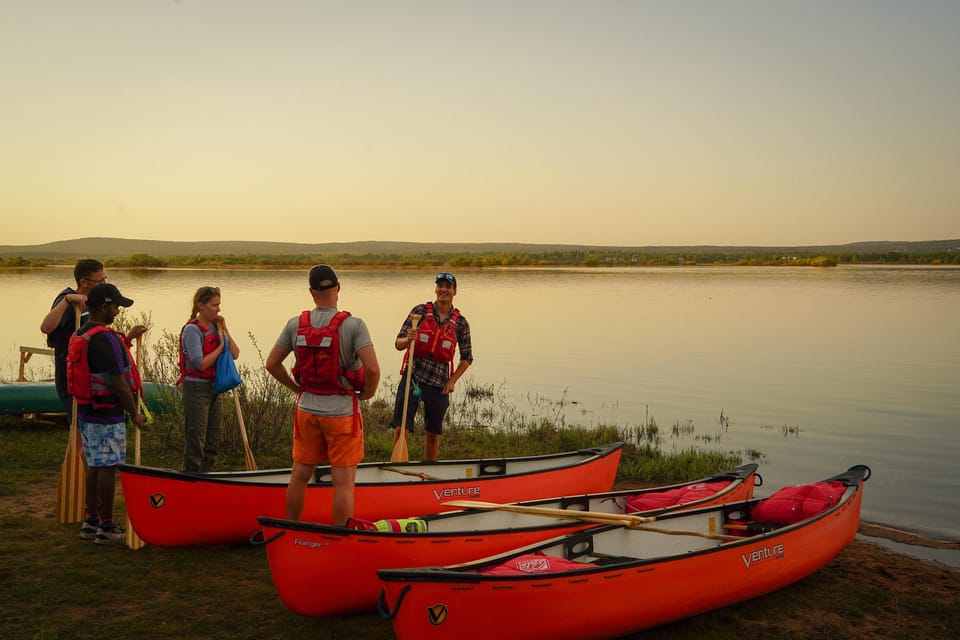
(336, 367)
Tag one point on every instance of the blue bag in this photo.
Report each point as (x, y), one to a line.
(227, 377)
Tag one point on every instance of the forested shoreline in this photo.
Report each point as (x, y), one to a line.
(560, 258)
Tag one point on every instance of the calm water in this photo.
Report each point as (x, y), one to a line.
(819, 369)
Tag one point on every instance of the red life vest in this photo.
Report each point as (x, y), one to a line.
(318, 369)
(211, 340)
(95, 388)
(436, 342)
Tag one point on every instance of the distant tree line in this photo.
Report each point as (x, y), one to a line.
(578, 258)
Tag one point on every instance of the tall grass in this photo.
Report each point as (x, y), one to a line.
(481, 422)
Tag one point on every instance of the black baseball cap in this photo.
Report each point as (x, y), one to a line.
(107, 293)
(323, 277)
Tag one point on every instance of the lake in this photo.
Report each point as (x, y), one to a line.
(819, 369)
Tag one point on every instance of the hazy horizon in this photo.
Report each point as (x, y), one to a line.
(607, 123)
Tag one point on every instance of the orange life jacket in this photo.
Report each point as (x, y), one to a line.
(96, 388)
(318, 369)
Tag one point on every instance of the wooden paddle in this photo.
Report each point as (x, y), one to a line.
(134, 541)
(247, 453)
(400, 451)
(72, 484)
(631, 522)
(570, 514)
(416, 474)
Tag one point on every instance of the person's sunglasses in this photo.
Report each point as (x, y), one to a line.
(207, 293)
(95, 282)
(446, 276)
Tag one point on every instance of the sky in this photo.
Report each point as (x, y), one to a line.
(602, 122)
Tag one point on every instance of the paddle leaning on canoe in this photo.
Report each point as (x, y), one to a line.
(303, 554)
(613, 580)
(170, 508)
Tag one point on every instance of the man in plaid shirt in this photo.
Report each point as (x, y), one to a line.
(442, 330)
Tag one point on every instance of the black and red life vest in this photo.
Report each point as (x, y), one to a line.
(211, 340)
(318, 369)
(436, 342)
(96, 389)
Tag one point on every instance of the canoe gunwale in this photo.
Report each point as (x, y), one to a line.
(737, 476)
(224, 506)
(577, 457)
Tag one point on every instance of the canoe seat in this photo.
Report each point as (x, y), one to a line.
(749, 528)
(494, 468)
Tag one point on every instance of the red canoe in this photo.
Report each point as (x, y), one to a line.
(610, 581)
(170, 509)
(302, 554)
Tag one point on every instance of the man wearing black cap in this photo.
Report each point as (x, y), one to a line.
(103, 378)
(336, 367)
(441, 331)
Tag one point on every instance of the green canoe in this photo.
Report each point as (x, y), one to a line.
(19, 398)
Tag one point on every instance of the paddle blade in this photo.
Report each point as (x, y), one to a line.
(248, 459)
(133, 541)
(400, 450)
(72, 484)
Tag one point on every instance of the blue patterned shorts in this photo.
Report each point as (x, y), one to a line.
(104, 445)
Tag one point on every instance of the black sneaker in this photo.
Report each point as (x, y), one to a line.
(88, 530)
(109, 532)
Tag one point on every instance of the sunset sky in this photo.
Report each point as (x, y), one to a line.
(583, 122)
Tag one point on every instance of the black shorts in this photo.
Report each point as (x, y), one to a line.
(435, 404)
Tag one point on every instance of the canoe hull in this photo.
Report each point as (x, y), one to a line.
(21, 398)
(301, 554)
(674, 581)
(170, 509)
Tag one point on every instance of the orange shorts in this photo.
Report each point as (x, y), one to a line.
(320, 439)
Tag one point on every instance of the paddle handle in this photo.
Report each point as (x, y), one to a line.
(72, 484)
(249, 460)
(416, 474)
(573, 514)
(637, 523)
(133, 540)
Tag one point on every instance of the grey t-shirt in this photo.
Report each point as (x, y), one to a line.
(354, 336)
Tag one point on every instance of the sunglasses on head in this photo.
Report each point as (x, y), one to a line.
(209, 292)
(446, 276)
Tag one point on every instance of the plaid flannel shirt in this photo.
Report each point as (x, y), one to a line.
(429, 372)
